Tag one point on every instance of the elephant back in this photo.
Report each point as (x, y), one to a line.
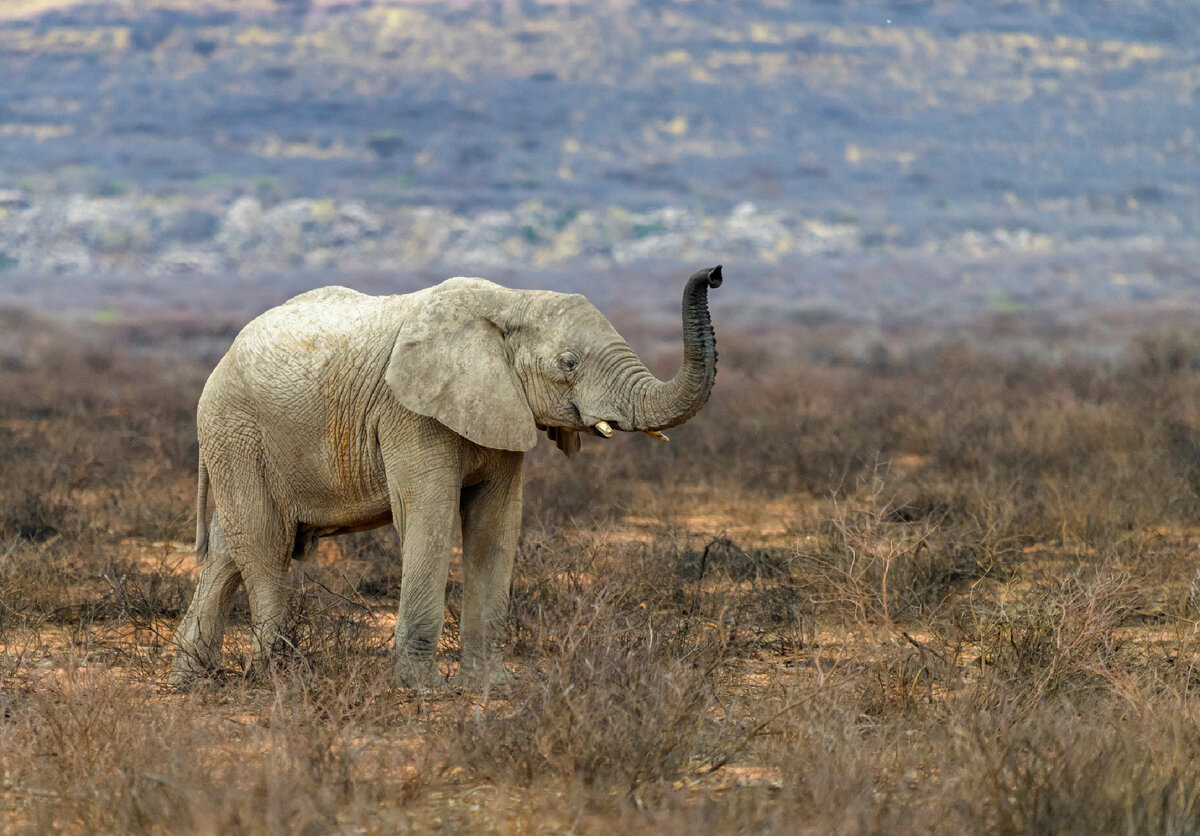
(330, 333)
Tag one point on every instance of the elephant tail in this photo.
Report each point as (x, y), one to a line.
(202, 511)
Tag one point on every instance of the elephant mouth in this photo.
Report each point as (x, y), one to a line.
(595, 427)
(605, 429)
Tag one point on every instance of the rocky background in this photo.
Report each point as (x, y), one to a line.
(863, 161)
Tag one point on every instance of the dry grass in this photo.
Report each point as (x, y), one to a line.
(942, 592)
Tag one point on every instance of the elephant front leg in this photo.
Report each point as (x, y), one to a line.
(425, 520)
(491, 514)
(199, 637)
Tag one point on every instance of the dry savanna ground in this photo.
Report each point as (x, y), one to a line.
(939, 590)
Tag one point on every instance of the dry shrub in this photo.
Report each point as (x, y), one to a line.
(621, 693)
(87, 751)
(371, 561)
(54, 583)
(620, 699)
(333, 630)
(1059, 637)
(45, 582)
(756, 596)
(885, 561)
(42, 465)
(1114, 768)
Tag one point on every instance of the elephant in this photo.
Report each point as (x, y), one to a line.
(338, 412)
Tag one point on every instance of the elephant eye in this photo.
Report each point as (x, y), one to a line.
(568, 361)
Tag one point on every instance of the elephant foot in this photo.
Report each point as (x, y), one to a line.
(417, 673)
(187, 672)
(475, 678)
(183, 680)
(197, 655)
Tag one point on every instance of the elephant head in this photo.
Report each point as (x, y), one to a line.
(496, 365)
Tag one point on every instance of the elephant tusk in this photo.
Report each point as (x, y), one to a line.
(656, 435)
(604, 429)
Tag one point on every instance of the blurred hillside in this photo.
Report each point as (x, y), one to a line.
(858, 160)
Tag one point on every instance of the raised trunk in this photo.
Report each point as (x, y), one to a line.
(657, 404)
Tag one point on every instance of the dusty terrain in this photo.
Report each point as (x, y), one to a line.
(946, 590)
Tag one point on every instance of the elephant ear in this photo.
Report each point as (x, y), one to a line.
(449, 364)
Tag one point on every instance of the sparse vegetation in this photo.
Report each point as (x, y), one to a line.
(935, 591)
(887, 582)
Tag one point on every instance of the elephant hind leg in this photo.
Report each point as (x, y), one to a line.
(199, 636)
(261, 543)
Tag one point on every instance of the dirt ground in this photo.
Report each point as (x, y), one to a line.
(955, 593)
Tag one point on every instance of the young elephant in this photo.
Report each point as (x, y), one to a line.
(339, 412)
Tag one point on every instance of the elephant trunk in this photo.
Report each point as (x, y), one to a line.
(659, 405)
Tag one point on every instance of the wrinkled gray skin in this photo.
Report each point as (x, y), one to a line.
(340, 412)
